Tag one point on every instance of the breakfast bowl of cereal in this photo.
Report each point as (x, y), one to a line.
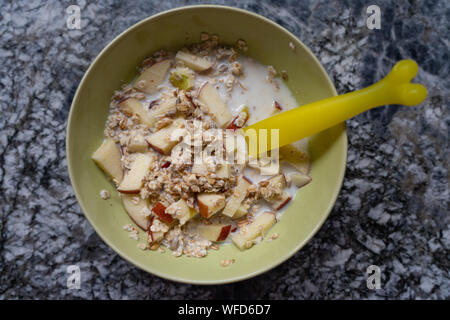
(157, 152)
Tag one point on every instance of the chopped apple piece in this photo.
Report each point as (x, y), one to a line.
(137, 144)
(135, 107)
(283, 200)
(182, 78)
(160, 210)
(217, 109)
(134, 178)
(299, 179)
(277, 106)
(163, 141)
(295, 157)
(136, 207)
(224, 171)
(240, 120)
(181, 211)
(214, 232)
(155, 236)
(278, 180)
(194, 62)
(241, 211)
(165, 107)
(244, 238)
(279, 202)
(210, 203)
(107, 157)
(239, 194)
(269, 166)
(152, 77)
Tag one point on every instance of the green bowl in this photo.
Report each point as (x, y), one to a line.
(116, 65)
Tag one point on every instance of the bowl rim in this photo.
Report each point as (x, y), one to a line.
(147, 268)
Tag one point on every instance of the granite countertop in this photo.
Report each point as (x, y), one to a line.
(393, 209)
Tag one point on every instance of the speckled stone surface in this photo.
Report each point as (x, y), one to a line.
(393, 209)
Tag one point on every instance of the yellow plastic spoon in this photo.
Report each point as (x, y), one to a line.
(311, 118)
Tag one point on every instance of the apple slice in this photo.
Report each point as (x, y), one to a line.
(194, 62)
(217, 109)
(165, 107)
(108, 158)
(154, 236)
(160, 210)
(239, 194)
(135, 207)
(149, 80)
(135, 107)
(224, 171)
(210, 203)
(299, 179)
(214, 232)
(278, 180)
(181, 211)
(279, 202)
(134, 178)
(283, 200)
(162, 140)
(241, 211)
(137, 143)
(243, 239)
(295, 157)
(240, 120)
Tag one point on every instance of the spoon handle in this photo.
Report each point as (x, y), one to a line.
(311, 118)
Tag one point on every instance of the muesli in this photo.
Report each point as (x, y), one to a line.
(169, 139)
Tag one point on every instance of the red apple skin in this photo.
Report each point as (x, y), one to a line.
(149, 232)
(129, 191)
(122, 100)
(284, 203)
(155, 148)
(153, 103)
(247, 179)
(160, 210)
(224, 233)
(191, 101)
(277, 105)
(197, 93)
(203, 209)
(232, 125)
(165, 164)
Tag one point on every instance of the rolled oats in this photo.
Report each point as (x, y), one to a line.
(104, 194)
